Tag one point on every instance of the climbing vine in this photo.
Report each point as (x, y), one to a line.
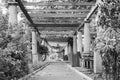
(108, 37)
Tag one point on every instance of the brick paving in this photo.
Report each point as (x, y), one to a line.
(57, 71)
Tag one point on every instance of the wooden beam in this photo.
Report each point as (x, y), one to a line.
(57, 3)
(57, 22)
(26, 14)
(58, 15)
(58, 10)
(88, 16)
(56, 39)
(55, 36)
(57, 28)
(39, 20)
(57, 25)
(91, 12)
(24, 11)
(58, 18)
(56, 32)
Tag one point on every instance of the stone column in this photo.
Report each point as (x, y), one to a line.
(66, 50)
(34, 47)
(79, 46)
(86, 37)
(12, 9)
(98, 67)
(70, 50)
(12, 20)
(97, 62)
(75, 55)
(43, 42)
(79, 42)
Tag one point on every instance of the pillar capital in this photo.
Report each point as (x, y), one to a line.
(33, 29)
(75, 36)
(88, 21)
(12, 3)
(79, 31)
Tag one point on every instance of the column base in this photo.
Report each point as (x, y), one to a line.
(70, 58)
(87, 60)
(34, 58)
(75, 60)
(97, 63)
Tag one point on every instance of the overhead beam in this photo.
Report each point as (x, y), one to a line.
(58, 15)
(26, 14)
(58, 10)
(56, 36)
(47, 28)
(57, 25)
(56, 19)
(88, 16)
(56, 32)
(91, 12)
(57, 39)
(57, 3)
(24, 11)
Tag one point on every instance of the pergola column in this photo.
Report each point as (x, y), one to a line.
(43, 42)
(79, 46)
(79, 42)
(75, 55)
(66, 50)
(34, 47)
(98, 67)
(68, 47)
(12, 9)
(70, 50)
(97, 62)
(86, 37)
(12, 19)
(86, 54)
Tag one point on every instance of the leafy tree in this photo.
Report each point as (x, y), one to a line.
(13, 51)
(108, 37)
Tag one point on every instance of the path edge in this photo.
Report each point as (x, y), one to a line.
(79, 73)
(34, 72)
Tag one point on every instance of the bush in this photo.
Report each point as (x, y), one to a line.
(13, 64)
(13, 52)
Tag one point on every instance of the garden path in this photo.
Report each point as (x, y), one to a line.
(57, 71)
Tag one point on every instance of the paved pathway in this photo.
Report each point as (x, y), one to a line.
(57, 71)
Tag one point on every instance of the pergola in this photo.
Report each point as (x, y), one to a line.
(56, 16)
(62, 21)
